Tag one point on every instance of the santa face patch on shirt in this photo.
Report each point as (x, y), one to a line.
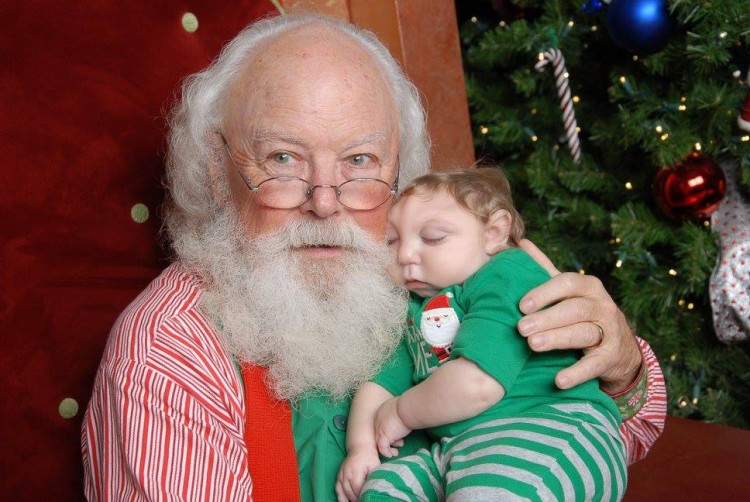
(439, 325)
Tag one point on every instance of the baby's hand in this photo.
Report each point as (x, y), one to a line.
(389, 429)
(353, 472)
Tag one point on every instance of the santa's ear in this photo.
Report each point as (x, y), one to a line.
(217, 178)
(496, 231)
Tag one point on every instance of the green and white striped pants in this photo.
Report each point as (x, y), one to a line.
(565, 452)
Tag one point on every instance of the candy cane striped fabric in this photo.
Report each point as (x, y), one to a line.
(166, 418)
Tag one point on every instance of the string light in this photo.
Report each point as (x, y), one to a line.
(594, 28)
(617, 240)
(534, 138)
(691, 306)
(571, 24)
(745, 138)
(672, 272)
(681, 302)
(581, 271)
(618, 264)
(673, 357)
(484, 129)
(659, 129)
(635, 57)
(576, 99)
(682, 108)
(664, 137)
(623, 80)
(723, 34)
(473, 19)
(628, 185)
(698, 147)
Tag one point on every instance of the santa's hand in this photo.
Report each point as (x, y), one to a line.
(389, 429)
(582, 316)
(353, 472)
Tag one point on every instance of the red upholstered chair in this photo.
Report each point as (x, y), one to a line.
(84, 87)
(693, 461)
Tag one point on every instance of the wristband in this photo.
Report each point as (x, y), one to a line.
(630, 400)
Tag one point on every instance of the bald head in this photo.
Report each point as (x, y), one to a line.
(316, 72)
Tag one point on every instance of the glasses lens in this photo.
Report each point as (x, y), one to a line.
(283, 192)
(364, 193)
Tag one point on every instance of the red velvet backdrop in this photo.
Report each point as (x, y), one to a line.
(83, 91)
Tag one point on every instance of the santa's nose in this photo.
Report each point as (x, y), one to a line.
(437, 318)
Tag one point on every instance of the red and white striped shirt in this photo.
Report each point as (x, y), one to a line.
(167, 416)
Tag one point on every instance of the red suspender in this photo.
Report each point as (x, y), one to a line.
(271, 456)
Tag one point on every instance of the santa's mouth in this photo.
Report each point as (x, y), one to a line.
(320, 250)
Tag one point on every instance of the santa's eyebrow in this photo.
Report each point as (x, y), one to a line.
(373, 137)
(271, 135)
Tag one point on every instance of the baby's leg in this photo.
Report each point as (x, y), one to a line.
(413, 477)
(567, 454)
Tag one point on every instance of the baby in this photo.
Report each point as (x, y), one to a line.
(501, 427)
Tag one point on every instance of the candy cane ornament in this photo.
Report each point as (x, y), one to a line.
(555, 57)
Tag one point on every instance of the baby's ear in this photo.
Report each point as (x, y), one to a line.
(496, 231)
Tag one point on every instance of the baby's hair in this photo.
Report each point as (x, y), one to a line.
(481, 191)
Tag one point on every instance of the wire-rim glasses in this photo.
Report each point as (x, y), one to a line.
(289, 192)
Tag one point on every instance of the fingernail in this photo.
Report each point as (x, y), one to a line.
(527, 305)
(538, 341)
(563, 382)
(525, 325)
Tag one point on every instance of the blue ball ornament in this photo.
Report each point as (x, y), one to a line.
(592, 6)
(640, 26)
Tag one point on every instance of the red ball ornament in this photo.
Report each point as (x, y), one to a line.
(690, 189)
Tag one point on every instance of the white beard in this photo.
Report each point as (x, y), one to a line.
(318, 325)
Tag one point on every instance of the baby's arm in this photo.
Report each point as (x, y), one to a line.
(362, 454)
(457, 390)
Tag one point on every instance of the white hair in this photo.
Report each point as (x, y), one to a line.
(191, 208)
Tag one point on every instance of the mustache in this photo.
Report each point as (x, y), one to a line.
(328, 233)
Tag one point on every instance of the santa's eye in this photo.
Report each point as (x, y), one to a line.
(445, 315)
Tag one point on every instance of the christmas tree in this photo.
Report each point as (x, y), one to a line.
(654, 91)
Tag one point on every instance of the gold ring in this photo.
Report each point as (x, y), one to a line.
(601, 336)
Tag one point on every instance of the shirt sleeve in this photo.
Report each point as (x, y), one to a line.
(155, 434)
(488, 335)
(643, 406)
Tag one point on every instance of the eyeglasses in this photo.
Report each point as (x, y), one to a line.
(288, 192)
